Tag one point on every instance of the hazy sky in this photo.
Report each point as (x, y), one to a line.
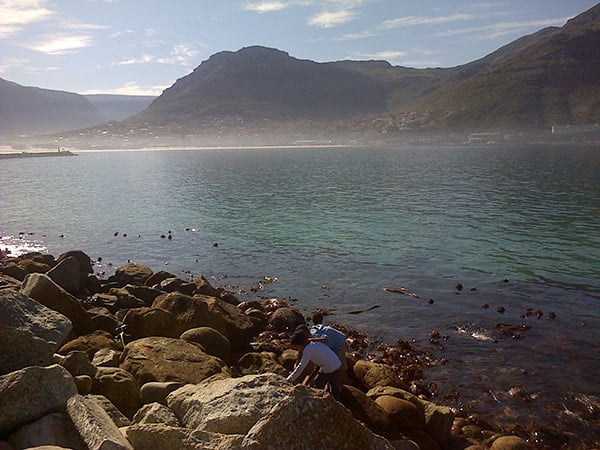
(143, 46)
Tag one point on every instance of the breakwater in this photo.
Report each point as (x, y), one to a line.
(144, 359)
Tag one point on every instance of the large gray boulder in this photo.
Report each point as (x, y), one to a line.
(153, 436)
(167, 359)
(31, 393)
(40, 287)
(311, 419)
(95, 426)
(228, 406)
(71, 272)
(31, 328)
(54, 429)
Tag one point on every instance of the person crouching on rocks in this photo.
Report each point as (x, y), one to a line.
(323, 357)
(335, 339)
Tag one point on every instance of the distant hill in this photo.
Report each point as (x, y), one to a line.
(32, 110)
(261, 95)
(119, 107)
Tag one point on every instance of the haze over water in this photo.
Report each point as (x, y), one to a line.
(518, 227)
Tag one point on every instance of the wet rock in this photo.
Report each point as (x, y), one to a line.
(145, 322)
(22, 399)
(331, 425)
(34, 329)
(167, 359)
(132, 273)
(95, 426)
(228, 406)
(211, 341)
(120, 387)
(286, 319)
(55, 429)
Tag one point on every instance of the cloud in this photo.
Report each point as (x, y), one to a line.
(181, 54)
(265, 6)
(62, 45)
(355, 36)
(416, 20)
(332, 19)
(15, 14)
(503, 28)
(130, 88)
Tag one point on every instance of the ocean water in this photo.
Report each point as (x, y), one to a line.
(517, 227)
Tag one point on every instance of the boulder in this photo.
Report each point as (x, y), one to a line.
(167, 359)
(145, 322)
(33, 266)
(177, 285)
(12, 269)
(211, 341)
(34, 329)
(84, 384)
(157, 391)
(286, 319)
(228, 406)
(158, 277)
(125, 299)
(203, 311)
(253, 363)
(95, 426)
(107, 357)
(52, 429)
(404, 414)
(152, 436)
(120, 387)
(367, 411)
(85, 262)
(438, 419)
(40, 287)
(117, 416)
(103, 319)
(203, 287)
(23, 400)
(156, 413)
(311, 419)
(91, 343)
(132, 274)
(78, 363)
(510, 443)
(145, 293)
(370, 374)
(67, 273)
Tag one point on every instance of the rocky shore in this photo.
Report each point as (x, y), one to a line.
(146, 360)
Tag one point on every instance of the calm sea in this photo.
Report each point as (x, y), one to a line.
(517, 227)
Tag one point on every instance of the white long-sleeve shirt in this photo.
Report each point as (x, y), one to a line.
(319, 354)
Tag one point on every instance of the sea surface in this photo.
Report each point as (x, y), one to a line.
(518, 227)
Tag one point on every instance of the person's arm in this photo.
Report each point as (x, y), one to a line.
(300, 367)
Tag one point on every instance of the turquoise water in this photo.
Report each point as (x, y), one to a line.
(518, 227)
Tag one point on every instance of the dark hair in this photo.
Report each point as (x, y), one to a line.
(317, 318)
(299, 338)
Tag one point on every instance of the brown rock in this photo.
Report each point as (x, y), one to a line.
(55, 429)
(286, 319)
(370, 374)
(158, 277)
(120, 387)
(145, 322)
(510, 443)
(167, 359)
(68, 274)
(132, 274)
(212, 342)
(367, 411)
(403, 413)
(91, 343)
(253, 363)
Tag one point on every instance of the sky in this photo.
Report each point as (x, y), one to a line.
(141, 47)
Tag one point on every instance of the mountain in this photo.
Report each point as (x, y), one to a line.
(119, 107)
(31, 110)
